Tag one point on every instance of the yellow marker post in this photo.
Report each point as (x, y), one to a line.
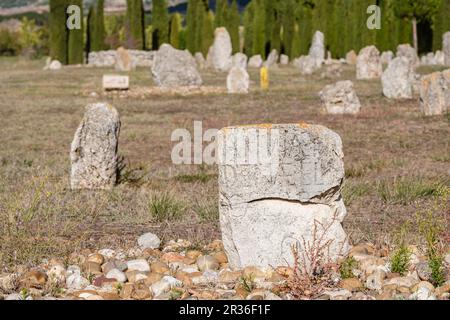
(264, 76)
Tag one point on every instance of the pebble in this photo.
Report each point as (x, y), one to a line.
(117, 275)
(149, 241)
(76, 281)
(207, 263)
(138, 265)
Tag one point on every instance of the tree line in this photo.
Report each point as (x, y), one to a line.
(264, 25)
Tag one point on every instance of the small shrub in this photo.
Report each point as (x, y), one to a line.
(248, 283)
(347, 266)
(208, 212)
(352, 192)
(165, 207)
(404, 191)
(400, 260)
(202, 177)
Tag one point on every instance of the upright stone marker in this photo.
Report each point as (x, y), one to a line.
(221, 50)
(351, 57)
(397, 79)
(175, 68)
(340, 98)
(446, 48)
(272, 59)
(405, 50)
(255, 62)
(124, 62)
(239, 60)
(434, 93)
(280, 184)
(93, 153)
(317, 50)
(238, 80)
(368, 64)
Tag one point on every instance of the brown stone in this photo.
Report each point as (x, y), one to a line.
(176, 257)
(285, 271)
(152, 278)
(193, 254)
(229, 276)
(221, 257)
(159, 267)
(92, 268)
(96, 258)
(34, 279)
(135, 276)
(351, 284)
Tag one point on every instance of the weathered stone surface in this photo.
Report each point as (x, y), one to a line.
(331, 71)
(200, 60)
(108, 58)
(434, 91)
(284, 60)
(397, 79)
(439, 57)
(239, 60)
(405, 50)
(93, 152)
(306, 64)
(446, 48)
(272, 59)
(124, 62)
(317, 50)
(221, 50)
(255, 61)
(149, 241)
(115, 82)
(268, 203)
(54, 65)
(351, 57)
(175, 68)
(368, 63)
(340, 98)
(387, 57)
(238, 80)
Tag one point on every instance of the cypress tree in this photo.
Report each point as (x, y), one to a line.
(274, 28)
(296, 43)
(233, 25)
(288, 26)
(96, 27)
(75, 39)
(248, 18)
(304, 15)
(336, 31)
(175, 27)
(58, 30)
(441, 24)
(160, 23)
(135, 24)
(208, 32)
(221, 13)
(191, 21)
(200, 24)
(259, 29)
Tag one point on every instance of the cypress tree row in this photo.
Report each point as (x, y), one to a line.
(441, 24)
(134, 27)
(200, 24)
(288, 26)
(96, 27)
(160, 23)
(75, 45)
(208, 32)
(58, 30)
(175, 28)
(233, 23)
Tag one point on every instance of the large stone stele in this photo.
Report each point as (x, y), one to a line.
(124, 62)
(238, 80)
(220, 53)
(93, 152)
(175, 68)
(397, 79)
(368, 64)
(317, 50)
(405, 50)
(434, 93)
(446, 48)
(280, 186)
(340, 98)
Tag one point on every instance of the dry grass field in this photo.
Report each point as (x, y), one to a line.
(397, 161)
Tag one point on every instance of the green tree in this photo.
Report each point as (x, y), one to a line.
(75, 44)
(175, 28)
(233, 22)
(248, 18)
(221, 13)
(259, 29)
(160, 23)
(58, 30)
(288, 26)
(441, 24)
(96, 27)
(134, 27)
(416, 11)
(191, 21)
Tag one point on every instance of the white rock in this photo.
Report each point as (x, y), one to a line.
(422, 293)
(238, 80)
(255, 62)
(368, 63)
(284, 60)
(149, 241)
(397, 79)
(165, 285)
(239, 60)
(55, 65)
(115, 82)
(272, 59)
(408, 52)
(387, 57)
(108, 253)
(220, 54)
(340, 98)
(93, 152)
(317, 50)
(138, 265)
(274, 203)
(117, 274)
(342, 294)
(76, 282)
